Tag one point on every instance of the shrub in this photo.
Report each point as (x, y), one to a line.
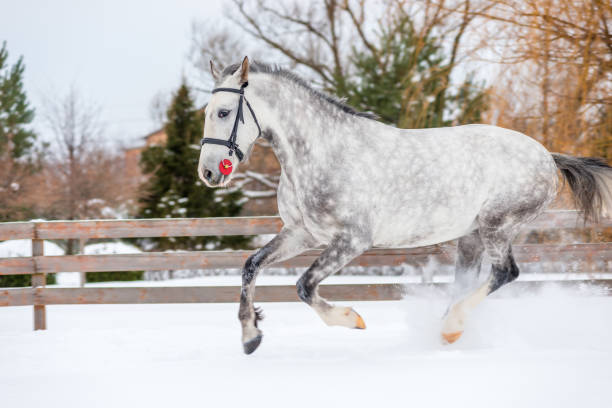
(113, 276)
(20, 281)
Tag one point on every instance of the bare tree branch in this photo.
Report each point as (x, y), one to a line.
(358, 23)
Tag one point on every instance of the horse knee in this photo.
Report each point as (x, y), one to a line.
(304, 290)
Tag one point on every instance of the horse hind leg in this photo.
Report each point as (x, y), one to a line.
(470, 250)
(341, 251)
(497, 243)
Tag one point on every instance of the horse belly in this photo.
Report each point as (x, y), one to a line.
(432, 226)
(432, 207)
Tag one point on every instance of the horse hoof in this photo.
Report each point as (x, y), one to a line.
(360, 323)
(341, 316)
(251, 345)
(450, 338)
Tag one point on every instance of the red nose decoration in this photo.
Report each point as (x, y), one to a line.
(225, 167)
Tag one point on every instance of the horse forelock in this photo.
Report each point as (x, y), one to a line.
(276, 71)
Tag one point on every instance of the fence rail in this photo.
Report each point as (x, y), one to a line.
(185, 227)
(141, 228)
(231, 294)
(38, 265)
(155, 261)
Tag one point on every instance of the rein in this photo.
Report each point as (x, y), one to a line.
(231, 142)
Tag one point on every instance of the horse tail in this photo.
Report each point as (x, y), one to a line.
(590, 180)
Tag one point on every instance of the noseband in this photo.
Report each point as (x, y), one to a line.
(231, 143)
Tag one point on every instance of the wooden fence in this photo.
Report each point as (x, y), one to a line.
(38, 265)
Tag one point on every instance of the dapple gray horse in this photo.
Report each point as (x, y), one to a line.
(350, 183)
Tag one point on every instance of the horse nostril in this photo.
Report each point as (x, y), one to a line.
(207, 174)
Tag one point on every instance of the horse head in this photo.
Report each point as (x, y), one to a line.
(231, 127)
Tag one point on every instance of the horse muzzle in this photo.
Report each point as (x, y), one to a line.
(212, 178)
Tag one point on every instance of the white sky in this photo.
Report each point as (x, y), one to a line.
(117, 54)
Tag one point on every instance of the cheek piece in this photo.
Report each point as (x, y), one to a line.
(225, 165)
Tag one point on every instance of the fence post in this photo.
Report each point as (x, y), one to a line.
(38, 280)
(82, 274)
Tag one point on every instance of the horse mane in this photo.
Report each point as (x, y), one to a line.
(275, 70)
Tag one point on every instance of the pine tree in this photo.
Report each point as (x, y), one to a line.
(16, 141)
(174, 189)
(17, 161)
(16, 137)
(408, 85)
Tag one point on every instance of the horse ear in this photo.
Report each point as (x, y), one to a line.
(213, 71)
(244, 70)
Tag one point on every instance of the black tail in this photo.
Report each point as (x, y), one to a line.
(591, 182)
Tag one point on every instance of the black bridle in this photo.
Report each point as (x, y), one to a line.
(231, 143)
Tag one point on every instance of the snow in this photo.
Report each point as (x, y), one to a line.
(551, 348)
(106, 248)
(23, 247)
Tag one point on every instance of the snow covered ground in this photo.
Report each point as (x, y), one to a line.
(553, 349)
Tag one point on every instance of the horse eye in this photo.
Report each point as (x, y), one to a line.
(223, 113)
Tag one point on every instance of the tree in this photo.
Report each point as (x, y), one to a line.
(558, 87)
(16, 138)
(82, 177)
(320, 37)
(17, 162)
(409, 87)
(174, 189)
(334, 44)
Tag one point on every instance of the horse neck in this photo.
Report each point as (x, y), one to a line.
(297, 125)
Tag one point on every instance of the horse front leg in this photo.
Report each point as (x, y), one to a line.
(342, 250)
(287, 244)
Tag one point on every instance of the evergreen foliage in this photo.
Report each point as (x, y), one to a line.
(16, 141)
(22, 281)
(17, 163)
(407, 83)
(174, 189)
(114, 276)
(16, 137)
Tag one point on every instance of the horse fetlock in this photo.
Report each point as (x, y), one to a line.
(304, 290)
(341, 316)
